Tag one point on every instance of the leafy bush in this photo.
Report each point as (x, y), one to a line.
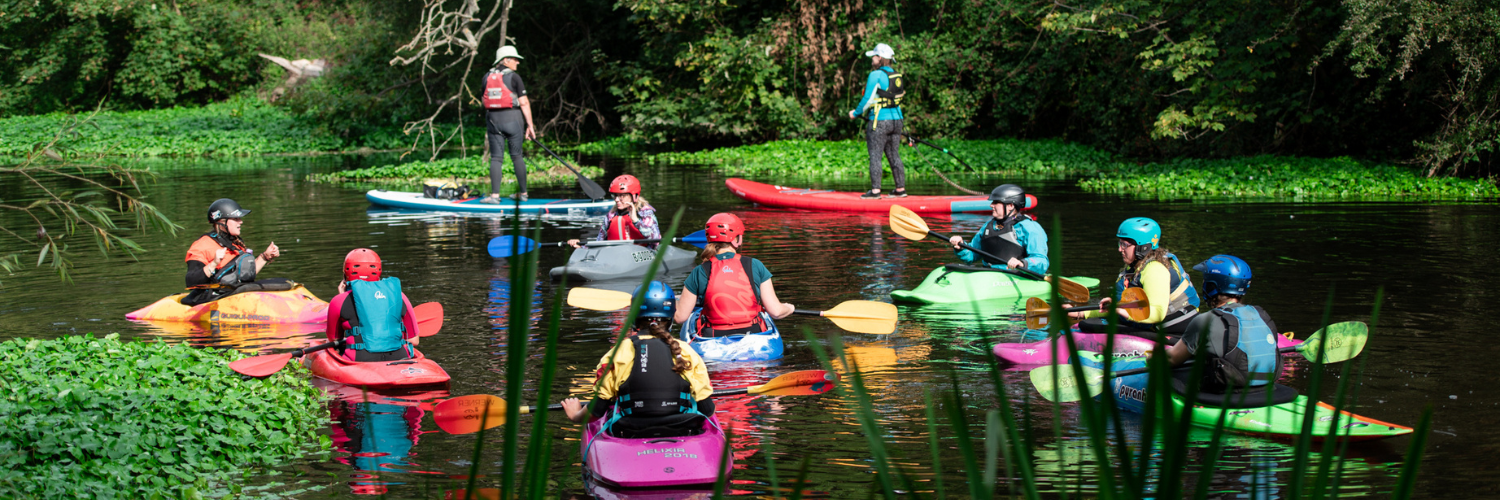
(1280, 177)
(473, 171)
(89, 417)
(836, 158)
(235, 127)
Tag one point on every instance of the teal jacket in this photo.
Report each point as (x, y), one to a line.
(877, 80)
(1031, 237)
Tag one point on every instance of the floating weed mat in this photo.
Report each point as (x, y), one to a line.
(474, 171)
(1282, 178)
(93, 417)
(836, 159)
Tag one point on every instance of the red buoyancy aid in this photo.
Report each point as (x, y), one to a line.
(730, 300)
(496, 94)
(621, 228)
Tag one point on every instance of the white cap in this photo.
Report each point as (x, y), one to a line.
(882, 50)
(506, 51)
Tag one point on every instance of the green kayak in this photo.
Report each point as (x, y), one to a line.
(954, 283)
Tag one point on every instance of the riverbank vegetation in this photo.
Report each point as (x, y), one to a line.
(94, 417)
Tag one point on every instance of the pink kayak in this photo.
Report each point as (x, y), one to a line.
(1041, 352)
(655, 462)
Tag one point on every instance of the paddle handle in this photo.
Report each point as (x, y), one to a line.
(808, 312)
(590, 187)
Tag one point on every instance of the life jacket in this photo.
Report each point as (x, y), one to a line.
(889, 97)
(496, 94)
(1182, 304)
(621, 228)
(731, 300)
(998, 238)
(381, 309)
(653, 389)
(1253, 361)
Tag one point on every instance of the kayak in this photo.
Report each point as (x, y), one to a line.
(849, 201)
(957, 283)
(655, 462)
(1281, 419)
(540, 206)
(761, 346)
(296, 305)
(603, 262)
(1041, 352)
(413, 372)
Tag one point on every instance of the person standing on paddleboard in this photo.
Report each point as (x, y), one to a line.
(508, 121)
(632, 218)
(1174, 300)
(641, 383)
(1012, 236)
(219, 261)
(1240, 338)
(881, 104)
(370, 317)
(735, 288)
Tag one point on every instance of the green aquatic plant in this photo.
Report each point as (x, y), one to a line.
(472, 170)
(1281, 178)
(100, 418)
(825, 159)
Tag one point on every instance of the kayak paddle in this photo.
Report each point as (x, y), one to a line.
(429, 321)
(858, 316)
(590, 187)
(911, 226)
(1133, 304)
(1345, 341)
(501, 247)
(469, 414)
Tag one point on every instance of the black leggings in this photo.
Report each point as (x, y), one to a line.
(885, 139)
(506, 127)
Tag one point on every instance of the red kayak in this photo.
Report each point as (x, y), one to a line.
(846, 201)
(412, 372)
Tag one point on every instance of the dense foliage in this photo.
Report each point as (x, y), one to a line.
(93, 417)
(473, 171)
(838, 158)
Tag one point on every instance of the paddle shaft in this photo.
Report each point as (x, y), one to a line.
(1122, 305)
(917, 140)
(1021, 272)
(720, 392)
(1138, 371)
(590, 187)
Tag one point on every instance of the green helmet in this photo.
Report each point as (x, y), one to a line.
(1141, 230)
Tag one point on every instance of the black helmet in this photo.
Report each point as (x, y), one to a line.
(225, 208)
(1008, 193)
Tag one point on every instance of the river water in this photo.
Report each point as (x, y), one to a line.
(1437, 263)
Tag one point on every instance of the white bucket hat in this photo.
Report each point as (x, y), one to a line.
(510, 51)
(882, 50)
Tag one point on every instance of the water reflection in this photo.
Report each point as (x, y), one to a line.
(244, 338)
(376, 432)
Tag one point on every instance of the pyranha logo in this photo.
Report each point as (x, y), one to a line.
(379, 295)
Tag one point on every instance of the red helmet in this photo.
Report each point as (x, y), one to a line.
(362, 264)
(724, 227)
(625, 184)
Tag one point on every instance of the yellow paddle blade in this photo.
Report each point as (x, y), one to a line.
(598, 300)
(1134, 304)
(1037, 313)
(864, 316)
(907, 223)
(1074, 291)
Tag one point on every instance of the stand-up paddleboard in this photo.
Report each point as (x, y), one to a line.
(846, 201)
(539, 206)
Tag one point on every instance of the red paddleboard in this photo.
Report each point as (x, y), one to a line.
(846, 201)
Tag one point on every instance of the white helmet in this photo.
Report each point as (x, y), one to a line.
(506, 51)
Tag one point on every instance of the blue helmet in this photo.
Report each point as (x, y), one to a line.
(1224, 275)
(1141, 230)
(660, 301)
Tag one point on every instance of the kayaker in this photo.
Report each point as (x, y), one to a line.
(632, 218)
(507, 120)
(735, 288)
(1009, 234)
(1240, 338)
(881, 105)
(371, 312)
(1174, 300)
(219, 261)
(664, 391)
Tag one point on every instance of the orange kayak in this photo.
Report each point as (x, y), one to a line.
(412, 372)
(296, 305)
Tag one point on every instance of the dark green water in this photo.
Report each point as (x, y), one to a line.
(1437, 263)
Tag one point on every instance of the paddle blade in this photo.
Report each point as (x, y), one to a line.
(864, 316)
(597, 299)
(1038, 313)
(698, 239)
(469, 414)
(801, 383)
(429, 318)
(261, 366)
(1065, 388)
(1074, 291)
(1341, 342)
(509, 246)
(1135, 296)
(907, 223)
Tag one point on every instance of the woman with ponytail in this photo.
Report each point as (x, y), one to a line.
(1174, 300)
(641, 383)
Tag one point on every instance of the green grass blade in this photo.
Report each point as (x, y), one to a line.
(934, 443)
(1408, 478)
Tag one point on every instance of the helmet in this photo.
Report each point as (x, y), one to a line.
(724, 227)
(1141, 230)
(1009, 194)
(625, 184)
(1224, 275)
(659, 301)
(506, 51)
(362, 264)
(225, 208)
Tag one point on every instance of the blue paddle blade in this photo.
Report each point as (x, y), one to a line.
(509, 246)
(698, 239)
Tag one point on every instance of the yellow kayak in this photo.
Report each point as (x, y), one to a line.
(296, 305)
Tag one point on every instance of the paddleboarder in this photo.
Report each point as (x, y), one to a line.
(881, 104)
(219, 261)
(735, 289)
(367, 314)
(632, 217)
(651, 384)
(1240, 338)
(1174, 300)
(508, 121)
(1012, 236)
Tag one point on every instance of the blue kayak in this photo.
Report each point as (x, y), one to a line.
(762, 346)
(539, 206)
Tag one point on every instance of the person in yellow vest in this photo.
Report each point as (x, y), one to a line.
(508, 120)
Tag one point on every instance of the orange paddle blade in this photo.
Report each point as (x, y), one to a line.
(261, 366)
(1038, 313)
(800, 383)
(429, 318)
(1071, 290)
(469, 414)
(907, 223)
(1134, 304)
